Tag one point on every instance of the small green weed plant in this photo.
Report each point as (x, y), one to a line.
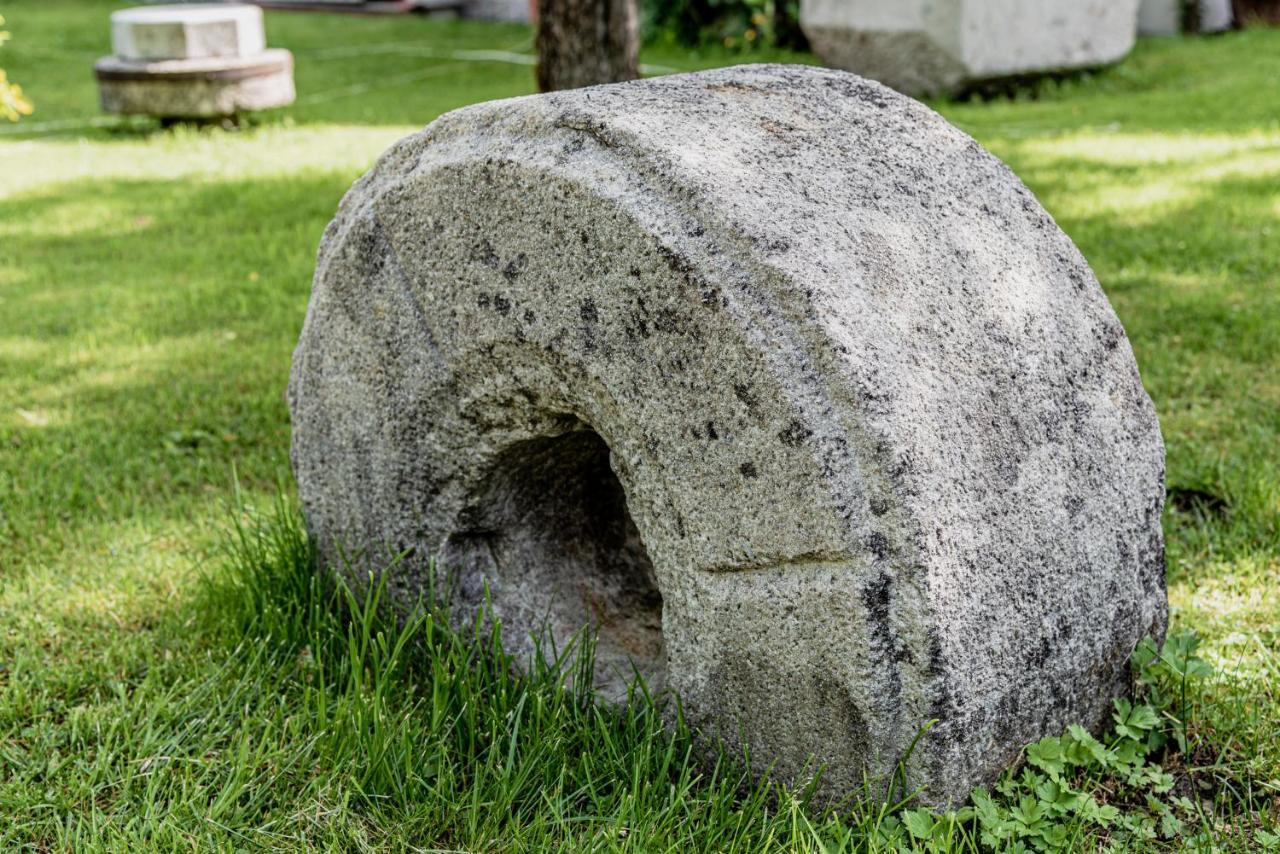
(1075, 787)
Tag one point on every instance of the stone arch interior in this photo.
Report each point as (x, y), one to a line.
(550, 534)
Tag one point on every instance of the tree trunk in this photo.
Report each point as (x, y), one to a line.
(1256, 12)
(586, 42)
(786, 25)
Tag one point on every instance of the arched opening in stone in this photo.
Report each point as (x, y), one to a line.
(550, 533)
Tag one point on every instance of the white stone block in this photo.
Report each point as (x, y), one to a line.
(196, 31)
(942, 46)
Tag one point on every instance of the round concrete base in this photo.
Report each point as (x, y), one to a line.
(196, 88)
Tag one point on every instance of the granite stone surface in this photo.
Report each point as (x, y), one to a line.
(772, 377)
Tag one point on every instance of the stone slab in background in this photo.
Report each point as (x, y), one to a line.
(192, 31)
(192, 61)
(933, 47)
(196, 88)
(775, 379)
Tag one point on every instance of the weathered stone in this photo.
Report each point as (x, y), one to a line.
(776, 379)
(930, 47)
(190, 31)
(192, 61)
(196, 88)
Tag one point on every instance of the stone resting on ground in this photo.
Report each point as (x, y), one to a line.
(774, 378)
(934, 47)
(192, 61)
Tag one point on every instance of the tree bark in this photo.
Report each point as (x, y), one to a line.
(586, 42)
(1256, 12)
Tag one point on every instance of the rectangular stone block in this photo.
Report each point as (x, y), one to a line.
(198, 31)
(933, 47)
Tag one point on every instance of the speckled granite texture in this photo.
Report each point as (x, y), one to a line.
(782, 383)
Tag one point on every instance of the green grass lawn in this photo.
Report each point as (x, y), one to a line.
(167, 682)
